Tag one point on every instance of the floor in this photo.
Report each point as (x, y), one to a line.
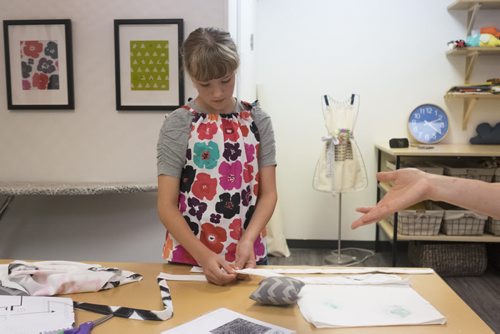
(481, 293)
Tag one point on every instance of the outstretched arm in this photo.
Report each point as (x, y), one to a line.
(410, 186)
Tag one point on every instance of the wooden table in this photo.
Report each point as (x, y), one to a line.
(193, 299)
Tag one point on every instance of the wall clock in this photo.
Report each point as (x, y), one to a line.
(428, 124)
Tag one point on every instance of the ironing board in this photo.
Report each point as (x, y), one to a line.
(12, 189)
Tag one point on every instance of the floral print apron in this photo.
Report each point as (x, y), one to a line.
(219, 184)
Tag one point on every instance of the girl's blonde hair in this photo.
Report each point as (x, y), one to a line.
(209, 53)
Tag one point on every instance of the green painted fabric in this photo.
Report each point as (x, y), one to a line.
(149, 65)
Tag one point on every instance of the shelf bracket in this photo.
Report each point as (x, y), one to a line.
(469, 104)
(470, 61)
(471, 17)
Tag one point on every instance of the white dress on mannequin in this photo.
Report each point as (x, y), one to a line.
(340, 167)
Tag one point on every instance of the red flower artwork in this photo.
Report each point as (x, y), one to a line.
(40, 81)
(204, 186)
(213, 237)
(32, 48)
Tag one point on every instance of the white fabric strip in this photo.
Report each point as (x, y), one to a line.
(367, 270)
(363, 279)
(190, 278)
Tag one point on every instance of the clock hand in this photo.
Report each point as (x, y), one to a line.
(438, 123)
(432, 126)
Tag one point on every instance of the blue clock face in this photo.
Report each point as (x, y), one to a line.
(428, 124)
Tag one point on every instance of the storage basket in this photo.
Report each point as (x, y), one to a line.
(449, 258)
(483, 174)
(419, 220)
(463, 222)
(426, 167)
(493, 226)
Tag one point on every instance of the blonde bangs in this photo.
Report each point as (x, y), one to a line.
(209, 53)
(212, 64)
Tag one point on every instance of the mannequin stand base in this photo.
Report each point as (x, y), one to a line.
(339, 259)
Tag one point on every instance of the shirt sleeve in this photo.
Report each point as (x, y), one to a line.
(267, 152)
(172, 143)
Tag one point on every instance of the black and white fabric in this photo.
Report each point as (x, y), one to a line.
(277, 291)
(135, 313)
(48, 278)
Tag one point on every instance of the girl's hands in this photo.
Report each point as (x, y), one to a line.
(245, 256)
(216, 269)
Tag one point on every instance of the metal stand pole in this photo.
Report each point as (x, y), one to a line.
(337, 257)
(5, 205)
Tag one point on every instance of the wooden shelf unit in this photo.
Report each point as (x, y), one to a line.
(473, 7)
(471, 54)
(468, 4)
(396, 156)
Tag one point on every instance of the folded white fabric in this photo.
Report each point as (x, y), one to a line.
(366, 305)
(47, 278)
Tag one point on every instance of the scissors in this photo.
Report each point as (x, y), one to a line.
(87, 326)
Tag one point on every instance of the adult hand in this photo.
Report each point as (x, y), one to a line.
(409, 186)
(216, 269)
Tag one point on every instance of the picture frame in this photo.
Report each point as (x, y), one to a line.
(148, 69)
(39, 64)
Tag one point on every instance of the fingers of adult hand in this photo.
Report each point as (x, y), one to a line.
(364, 210)
(373, 215)
(360, 222)
(386, 176)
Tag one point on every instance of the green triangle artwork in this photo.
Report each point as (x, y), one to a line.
(149, 65)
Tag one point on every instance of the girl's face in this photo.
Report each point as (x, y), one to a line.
(216, 96)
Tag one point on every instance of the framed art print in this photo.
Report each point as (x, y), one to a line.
(148, 70)
(38, 64)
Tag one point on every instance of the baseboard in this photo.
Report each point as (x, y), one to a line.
(332, 244)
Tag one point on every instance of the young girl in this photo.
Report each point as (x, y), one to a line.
(216, 167)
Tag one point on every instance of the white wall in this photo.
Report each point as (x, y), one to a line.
(391, 52)
(92, 143)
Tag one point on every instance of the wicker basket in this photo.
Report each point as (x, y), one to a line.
(463, 222)
(493, 226)
(449, 258)
(426, 167)
(483, 174)
(457, 221)
(419, 221)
